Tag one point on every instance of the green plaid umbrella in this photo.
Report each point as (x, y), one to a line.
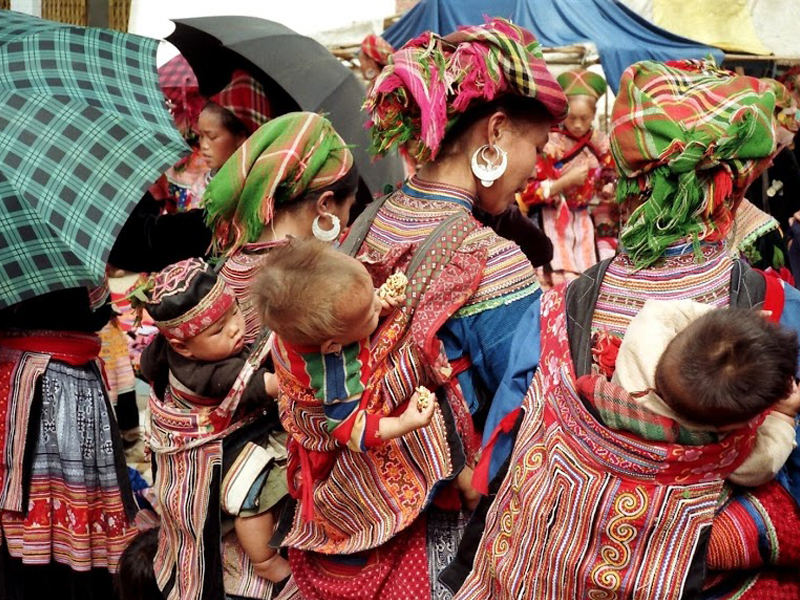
(84, 131)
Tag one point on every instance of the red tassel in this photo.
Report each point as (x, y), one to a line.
(723, 188)
(562, 218)
(480, 478)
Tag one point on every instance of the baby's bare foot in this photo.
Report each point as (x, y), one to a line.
(275, 569)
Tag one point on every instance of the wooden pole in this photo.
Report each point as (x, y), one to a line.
(97, 13)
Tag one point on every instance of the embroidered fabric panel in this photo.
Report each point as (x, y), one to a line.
(536, 545)
(624, 290)
(405, 219)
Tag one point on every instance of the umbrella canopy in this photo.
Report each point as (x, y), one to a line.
(84, 131)
(297, 72)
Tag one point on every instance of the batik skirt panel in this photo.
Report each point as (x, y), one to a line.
(78, 500)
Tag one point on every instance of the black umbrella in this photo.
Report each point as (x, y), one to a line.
(297, 72)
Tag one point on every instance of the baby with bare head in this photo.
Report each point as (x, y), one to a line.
(323, 307)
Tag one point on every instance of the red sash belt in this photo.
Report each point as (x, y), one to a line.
(75, 349)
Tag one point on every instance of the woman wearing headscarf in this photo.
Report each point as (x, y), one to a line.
(223, 123)
(293, 177)
(474, 107)
(573, 177)
(587, 508)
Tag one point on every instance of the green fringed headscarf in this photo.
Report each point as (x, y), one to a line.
(284, 159)
(689, 138)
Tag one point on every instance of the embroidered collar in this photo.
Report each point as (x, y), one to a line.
(260, 247)
(417, 188)
(683, 247)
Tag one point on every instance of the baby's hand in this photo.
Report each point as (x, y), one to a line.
(271, 384)
(790, 406)
(389, 303)
(417, 415)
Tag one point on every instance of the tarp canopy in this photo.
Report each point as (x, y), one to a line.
(752, 26)
(621, 37)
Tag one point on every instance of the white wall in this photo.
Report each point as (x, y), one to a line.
(29, 7)
(152, 17)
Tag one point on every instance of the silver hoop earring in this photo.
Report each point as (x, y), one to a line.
(326, 235)
(493, 168)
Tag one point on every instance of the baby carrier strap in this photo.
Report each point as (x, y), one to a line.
(361, 226)
(581, 297)
(748, 290)
(748, 286)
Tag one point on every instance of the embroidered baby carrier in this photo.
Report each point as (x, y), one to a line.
(361, 500)
(187, 447)
(588, 512)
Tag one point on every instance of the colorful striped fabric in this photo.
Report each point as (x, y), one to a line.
(582, 83)
(245, 97)
(355, 501)
(749, 225)
(338, 381)
(76, 512)
(432, 80)
(412, 213)
(187, 446)
(239, 271)
(677, 276)
(377, 48)
(690, 138)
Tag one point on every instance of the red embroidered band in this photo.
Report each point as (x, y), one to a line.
(196, 320)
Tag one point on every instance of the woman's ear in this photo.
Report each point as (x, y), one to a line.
(180, 348)
(323, 203)
(498, 122)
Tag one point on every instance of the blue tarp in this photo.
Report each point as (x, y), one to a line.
(621, 36)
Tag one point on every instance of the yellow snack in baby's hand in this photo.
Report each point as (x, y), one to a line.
(425, 398)
(394, 287)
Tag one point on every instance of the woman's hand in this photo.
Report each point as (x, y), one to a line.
(571, 178)
(577, 176)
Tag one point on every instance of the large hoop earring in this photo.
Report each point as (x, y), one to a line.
(326, 235)
(490, 171)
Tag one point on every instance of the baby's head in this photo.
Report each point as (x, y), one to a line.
(727, 367)
(310, 294)
(196, 311)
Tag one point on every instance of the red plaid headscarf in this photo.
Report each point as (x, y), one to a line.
(433, 80)
(246, 99)
(377, 48)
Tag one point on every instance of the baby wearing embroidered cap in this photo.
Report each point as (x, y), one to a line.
(193, 364)
(713, 370)
(322, 305)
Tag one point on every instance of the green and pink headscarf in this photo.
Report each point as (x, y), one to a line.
(288, 157)
(688, 139)
(432, 80)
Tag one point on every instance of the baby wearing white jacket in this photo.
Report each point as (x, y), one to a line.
(713, 370)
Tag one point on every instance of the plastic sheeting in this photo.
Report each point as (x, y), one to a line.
(621, 37)
(774, 23)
